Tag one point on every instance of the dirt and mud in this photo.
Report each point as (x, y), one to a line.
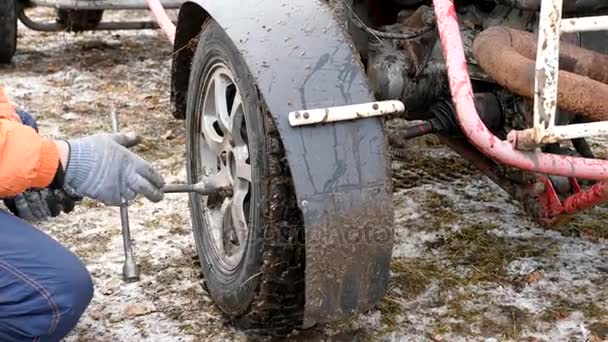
(467, 264)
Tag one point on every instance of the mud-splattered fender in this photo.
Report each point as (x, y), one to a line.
(301, 59)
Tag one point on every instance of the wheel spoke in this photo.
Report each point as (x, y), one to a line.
(213, 141)
(219, 179)
(221, 83)
(237, 116)
(210, 127)
(238, 212)
(218, 225)
(236, 110)
(243, 169)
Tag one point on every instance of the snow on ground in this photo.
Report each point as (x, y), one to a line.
(468, 265)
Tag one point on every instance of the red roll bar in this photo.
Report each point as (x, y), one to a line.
(161, 17)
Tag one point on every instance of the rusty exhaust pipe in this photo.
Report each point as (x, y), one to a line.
(508, 56)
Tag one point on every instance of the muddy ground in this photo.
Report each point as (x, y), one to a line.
(467, 264)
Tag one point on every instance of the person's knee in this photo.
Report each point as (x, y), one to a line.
(74, 293)
(80, 288)
(44, 288)
(54, 302)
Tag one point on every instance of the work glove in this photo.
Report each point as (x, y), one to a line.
(102, 168)
(39, 204)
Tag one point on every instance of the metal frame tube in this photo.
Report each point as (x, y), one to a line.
(560, 133)
(585, 24)
(569, 5)
(163, 20)
(104, 4)
(110, 26)
(547, 64)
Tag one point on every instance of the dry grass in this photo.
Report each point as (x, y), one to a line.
(485, 253)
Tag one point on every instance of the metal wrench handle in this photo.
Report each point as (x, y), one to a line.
(130, 271)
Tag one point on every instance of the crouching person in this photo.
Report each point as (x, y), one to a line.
(45, 288)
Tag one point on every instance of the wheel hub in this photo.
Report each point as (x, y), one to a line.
(225, 162)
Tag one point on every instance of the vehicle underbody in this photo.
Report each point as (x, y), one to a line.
(499, 43)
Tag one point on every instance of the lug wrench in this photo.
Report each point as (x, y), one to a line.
(199, 188)
(130, 273)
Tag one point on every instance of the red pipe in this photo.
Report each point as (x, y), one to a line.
(474, 128)
(163, 20)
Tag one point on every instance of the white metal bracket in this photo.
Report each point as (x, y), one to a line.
(344, 113)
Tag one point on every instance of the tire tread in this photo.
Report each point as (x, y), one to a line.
(278, 306)
(8, 30)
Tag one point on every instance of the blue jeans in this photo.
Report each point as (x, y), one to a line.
(44, 288)
(27, 119)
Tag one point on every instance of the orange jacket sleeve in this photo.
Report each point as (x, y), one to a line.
(27, 160)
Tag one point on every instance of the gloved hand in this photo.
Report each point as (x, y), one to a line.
(36, 205)
(102, 168)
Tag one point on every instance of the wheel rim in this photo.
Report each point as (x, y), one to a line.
(224, 155)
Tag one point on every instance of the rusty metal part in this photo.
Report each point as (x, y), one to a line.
(58, 27)
(529, 139)
(423, 17)
(403, 154)
(399, 141)
(507, 55)
(402, 135)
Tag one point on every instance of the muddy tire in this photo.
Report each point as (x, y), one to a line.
(81, 20)
(250, 243)
(8, 30)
